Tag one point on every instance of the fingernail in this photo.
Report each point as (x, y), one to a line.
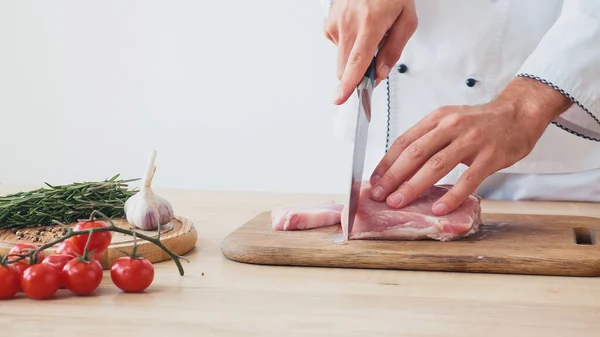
(385, 70)
(338, 94)
(375, 179)
(396, 199)
(440, 208)
(378, 192)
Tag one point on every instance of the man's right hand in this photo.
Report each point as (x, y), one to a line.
(358, 27)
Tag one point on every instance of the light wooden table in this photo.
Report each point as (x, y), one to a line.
(218, 297)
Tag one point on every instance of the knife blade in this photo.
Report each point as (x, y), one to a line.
(364, 90)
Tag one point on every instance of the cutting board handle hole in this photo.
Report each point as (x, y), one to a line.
(584, 236)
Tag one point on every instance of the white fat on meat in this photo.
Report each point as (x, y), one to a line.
(375, 220)
(298, 217)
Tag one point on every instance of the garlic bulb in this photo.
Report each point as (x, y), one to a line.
(147, 210)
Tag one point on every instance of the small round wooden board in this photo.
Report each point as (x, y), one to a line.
(179, 236)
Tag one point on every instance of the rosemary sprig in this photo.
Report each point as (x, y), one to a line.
(64, 203)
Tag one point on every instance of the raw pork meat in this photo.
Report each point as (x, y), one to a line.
(375, 220)
(295, 217)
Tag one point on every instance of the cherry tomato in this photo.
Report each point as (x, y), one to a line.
(132, 274)
(20, 266)
(59, 261)
(10, 281)
(40, 281)
(82, 277)
(67, 248)
(24, 248)
(21, 248)
(99, 241)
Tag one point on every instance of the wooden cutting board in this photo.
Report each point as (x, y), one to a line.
(506, 243)
(179, 236)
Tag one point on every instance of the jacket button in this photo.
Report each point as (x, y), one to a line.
(471, 82)
(402, 68)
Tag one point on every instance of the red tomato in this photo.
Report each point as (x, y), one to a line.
(132, 274)
(21, 248)
(20, 266)
(82, 277)
(10, 283)
(24, 248)
(67, 248)
(40, 281)
(99, 241)
(59, 261)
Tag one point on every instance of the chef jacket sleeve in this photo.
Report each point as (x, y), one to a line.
(568, 59)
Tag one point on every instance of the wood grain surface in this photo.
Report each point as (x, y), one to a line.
(220, 297)
(179, 236)
(506, 243)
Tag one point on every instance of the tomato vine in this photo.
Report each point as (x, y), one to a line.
(32, 254)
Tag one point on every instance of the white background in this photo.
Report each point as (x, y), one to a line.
(233, 95)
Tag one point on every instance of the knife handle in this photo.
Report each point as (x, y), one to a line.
(370, 73)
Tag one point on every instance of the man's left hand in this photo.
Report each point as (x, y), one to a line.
(486, 138)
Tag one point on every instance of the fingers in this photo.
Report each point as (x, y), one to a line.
(359, 58)
(432, 171)
(409, 161)
(330, 29)
(346, 41)
(400, 144)
(377, 79)
(398, 36)
(465, 186)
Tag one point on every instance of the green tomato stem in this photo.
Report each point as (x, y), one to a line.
(135, 246)
(85, 256)
(113, 228)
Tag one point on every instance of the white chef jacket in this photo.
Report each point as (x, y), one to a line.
(466, 52)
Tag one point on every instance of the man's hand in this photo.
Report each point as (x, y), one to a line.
(358, 27)
(486, 138)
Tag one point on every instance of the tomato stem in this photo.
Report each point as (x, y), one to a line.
(111, 228)
(87, 243)
(134, 249)
(33, 258)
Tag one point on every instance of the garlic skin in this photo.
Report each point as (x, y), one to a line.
(147, 210)
(165, 210)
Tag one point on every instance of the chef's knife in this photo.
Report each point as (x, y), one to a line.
(364, 91)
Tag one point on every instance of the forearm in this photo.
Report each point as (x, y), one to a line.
(534, 100)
